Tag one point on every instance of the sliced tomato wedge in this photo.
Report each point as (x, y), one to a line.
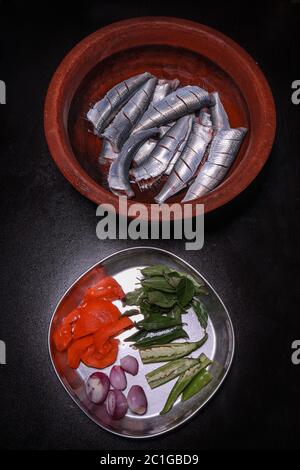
(71, 317)
(113, 329)
(108, 289)
(94, 314)
(93, 358)
(62, 337)
(77, 349)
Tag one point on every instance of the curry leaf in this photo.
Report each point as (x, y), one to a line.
(185, 291)
(162, 299)
(201, 312)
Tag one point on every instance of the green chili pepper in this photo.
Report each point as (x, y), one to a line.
(183, 381)
(169, 371)
(158, 322)
(200, 380)
(139, 335)
(169, 352)
(148, 338)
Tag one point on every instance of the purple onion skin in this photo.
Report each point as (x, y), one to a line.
(130, 364)
(116, 404)
(97, 387)
(117, 378)
(137, 400)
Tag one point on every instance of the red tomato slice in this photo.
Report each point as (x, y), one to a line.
(77, 349)
(108, 289)
(93, 314)
(62, 337)
(92, 358)
(113, 329)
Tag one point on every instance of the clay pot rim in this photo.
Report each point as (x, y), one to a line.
(55, 118)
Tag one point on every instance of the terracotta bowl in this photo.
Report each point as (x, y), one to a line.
(168, 48)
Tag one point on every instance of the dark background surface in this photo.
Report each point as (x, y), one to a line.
(251, 252)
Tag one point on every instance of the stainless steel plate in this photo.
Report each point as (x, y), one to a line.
(124, 266)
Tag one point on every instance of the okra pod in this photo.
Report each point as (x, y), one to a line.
(183, 381)
(169, 371)
(168, 352)
(200, 381)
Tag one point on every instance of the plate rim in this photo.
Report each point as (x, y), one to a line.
(192, 415)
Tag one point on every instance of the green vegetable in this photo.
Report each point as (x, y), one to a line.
(162, 299)
(164, 295)
(176, 312)
(200, 381)
(183, 381)
(134, 297)
(138, 336)
(148, 309)
(185, 291)
(158, 283)
(131, 312)
(157, 321)
(148, 338)
(155, 270)
(168, 352)
(201, 312)
(169, 371)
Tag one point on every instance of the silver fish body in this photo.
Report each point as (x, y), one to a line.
(218, 114)
(223, 150)
(181, 147)
(107, 152)
(162, 89)
(103, 112)
(118, 177)
(118, 131)
(162, 154)
(188, 162)
(183, 101)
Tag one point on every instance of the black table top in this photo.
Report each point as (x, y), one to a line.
(251, 252)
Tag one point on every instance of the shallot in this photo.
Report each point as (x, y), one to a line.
(130, 364)
(137, 400)
(117, 378)
(97, 387)
(116, 404)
